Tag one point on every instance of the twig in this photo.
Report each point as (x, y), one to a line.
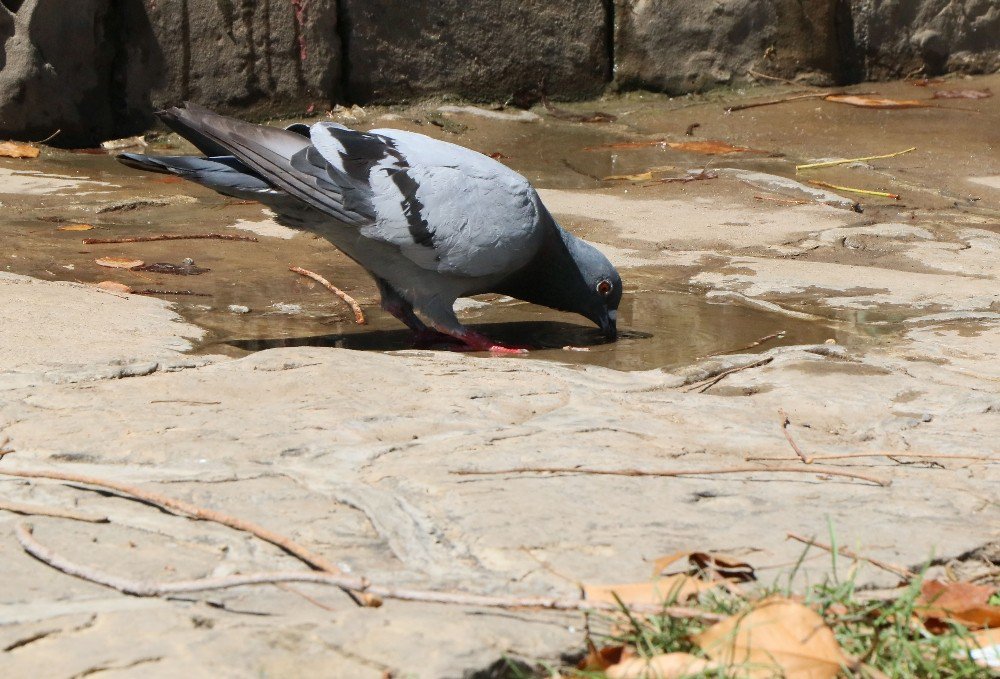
(786, 201)
(670, 473)
(866, 192)
(38, 510)
(345, 582)
(704, 385)
(359, 315)
(765, 76)
(772, 102)
(845, 456)
(50, 137)
(765, 338)
(843, 551)
(193, 511)
(169, 236)
(784, 430)
(831, 163)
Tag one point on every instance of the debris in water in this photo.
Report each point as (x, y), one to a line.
(114, 286)
(875, 102)
(238, 309)
(124, 143)
(646, 176)
(129, 205)
(119, 262)
(831, 163)
(499, 156)
(627, 145)
(962, 94)
(157, 291)
(75, 227)
(690, 177)
(691, 128)
(167, 236)
(711, 147)
(185, 268)
(13, 149)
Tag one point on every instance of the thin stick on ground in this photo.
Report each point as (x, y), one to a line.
(765, 76)
(359, 315)
(848, 456)
(772, 102)
(345, 582)
(193, 511)
(902, 572)
(672, 473)
(784, 201)
(703, 385)
(38, 510)
(788, 436)
(864, 192)
(831, 163)
(169, 236)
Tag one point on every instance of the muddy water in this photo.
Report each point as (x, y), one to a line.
(248, 300)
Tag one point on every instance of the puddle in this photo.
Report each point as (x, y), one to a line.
(665, 323)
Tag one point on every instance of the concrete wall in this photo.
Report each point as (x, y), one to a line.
(97, 68)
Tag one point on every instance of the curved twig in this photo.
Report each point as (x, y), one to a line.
(359, 315)
(346, 582)
(670, 473)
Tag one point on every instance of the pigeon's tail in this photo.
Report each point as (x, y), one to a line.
(271, 153)
(224, 174)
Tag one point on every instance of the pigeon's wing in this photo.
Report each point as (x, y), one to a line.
(447, 208)
(277, 156)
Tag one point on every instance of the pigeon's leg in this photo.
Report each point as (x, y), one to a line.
(470, 339)
(394, 304)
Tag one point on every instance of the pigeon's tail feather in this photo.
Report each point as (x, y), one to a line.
(224, 174)
(268, 152)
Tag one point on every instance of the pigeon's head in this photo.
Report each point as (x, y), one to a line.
(602, 287)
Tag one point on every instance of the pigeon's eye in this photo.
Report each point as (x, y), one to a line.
(604, 287)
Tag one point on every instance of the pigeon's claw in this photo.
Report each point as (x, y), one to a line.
(470, 340)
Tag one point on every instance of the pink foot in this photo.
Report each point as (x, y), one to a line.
(475, 341)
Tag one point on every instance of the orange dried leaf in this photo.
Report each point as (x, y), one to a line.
(119, 262)
(875, 102)
(664, 666)
(962, 94)
(780, 637)
(76, 227)
(599, 659)
(114, 287)
(12, 149)
(710, 147)
(962, 602)
(674, 588)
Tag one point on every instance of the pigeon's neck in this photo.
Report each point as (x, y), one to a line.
(552, 277)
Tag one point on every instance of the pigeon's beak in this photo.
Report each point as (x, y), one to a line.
(609, 324)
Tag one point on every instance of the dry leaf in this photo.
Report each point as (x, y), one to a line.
(710, 147)
(119, 262)
(779, 634)
(641, 176)
(674, 588)
(12, 149)
(961, 602)
(599, 659)
(875, 102)
(76, 227)
(664, 666)
(962, 94)
(114, 287)
(984, 647)
(717, 565)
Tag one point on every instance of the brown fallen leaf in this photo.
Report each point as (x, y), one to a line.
(599, 659)
(664, 666)
(962, 94)
(119, 262)
(13, 149)
(671, 589)
(114, 287)
(710, 147)
(780, 637)
(76, 227)
(962, 602)
(875, 102)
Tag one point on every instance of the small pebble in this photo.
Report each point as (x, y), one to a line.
(239, 309)
(187, 261)
(830, 341)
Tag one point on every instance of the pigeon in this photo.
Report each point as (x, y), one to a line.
(431, 221)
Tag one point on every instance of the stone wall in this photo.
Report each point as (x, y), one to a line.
(97, 68)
